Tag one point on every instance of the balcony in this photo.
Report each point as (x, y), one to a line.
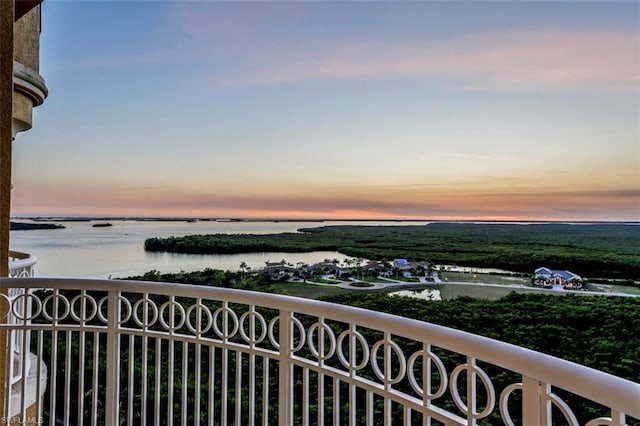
(139, 353)
(21, 265)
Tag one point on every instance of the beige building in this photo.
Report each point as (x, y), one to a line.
(21, 89)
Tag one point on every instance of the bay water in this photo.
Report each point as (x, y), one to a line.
(83, 251)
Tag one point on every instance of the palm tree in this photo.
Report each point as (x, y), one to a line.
(335, 263)
(358, 271)
(304, 270)
(243, 269)
(347, 263)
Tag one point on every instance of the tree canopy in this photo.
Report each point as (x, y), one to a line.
(600, 250)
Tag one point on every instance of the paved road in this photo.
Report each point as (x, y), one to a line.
(561, 290)
(397, 283)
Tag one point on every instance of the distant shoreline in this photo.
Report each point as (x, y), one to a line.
(289, 220)
(21, 226)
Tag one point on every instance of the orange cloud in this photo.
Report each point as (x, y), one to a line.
(445, 202)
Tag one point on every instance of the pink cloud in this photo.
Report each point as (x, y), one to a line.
(510, 60)
(353, 202)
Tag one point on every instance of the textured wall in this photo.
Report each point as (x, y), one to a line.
(6, 134)
(26, 44)
(18, 41)
(26, 51)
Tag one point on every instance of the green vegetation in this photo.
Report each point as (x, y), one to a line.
(242, 281)
(609, 288)
(373, 279)
(452, 291)
(360, 284)
(579, 323)
(22, 226)
(597, 331)
(213, 278)
(407, 279)
(604, 250)
(465, 277)
(600, 332)
(323, 281)
(308, 291)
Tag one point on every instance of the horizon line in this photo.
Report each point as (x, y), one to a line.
(279, 219)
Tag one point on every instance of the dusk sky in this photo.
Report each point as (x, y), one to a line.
(403, 110)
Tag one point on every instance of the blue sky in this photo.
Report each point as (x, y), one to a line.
(495, 110)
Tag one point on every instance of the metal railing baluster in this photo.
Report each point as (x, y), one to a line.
(376, 373)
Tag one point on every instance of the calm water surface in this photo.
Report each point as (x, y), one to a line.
(80, 250)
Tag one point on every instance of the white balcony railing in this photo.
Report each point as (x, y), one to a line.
(119, 352)
(21, 265)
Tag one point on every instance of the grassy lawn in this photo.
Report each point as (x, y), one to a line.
(407, 280)
(309, 291)
(482, 278)
(323, 281)
(612, 288)
(476, 291)
(371, 279)
(360, 284)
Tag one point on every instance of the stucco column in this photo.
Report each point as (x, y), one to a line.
(6, 136)
(6, 132)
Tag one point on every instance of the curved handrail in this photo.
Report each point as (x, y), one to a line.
(595, 385)
(18, 260)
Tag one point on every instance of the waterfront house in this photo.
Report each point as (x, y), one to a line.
(278, 270)
(324, 268)
(402, 264)
(550, 277)
(377, 268)
(403, 267)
